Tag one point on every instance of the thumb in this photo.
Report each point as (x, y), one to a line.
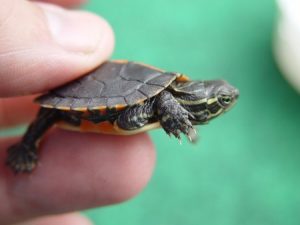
(43, 46)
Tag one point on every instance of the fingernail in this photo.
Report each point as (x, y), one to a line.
(75, 31)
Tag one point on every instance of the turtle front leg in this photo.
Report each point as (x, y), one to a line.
(173, 117)
(22, 156)
(136, 116)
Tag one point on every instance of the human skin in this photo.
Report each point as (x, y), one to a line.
(41, 47)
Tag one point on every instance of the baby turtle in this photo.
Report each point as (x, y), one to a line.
(123, 98)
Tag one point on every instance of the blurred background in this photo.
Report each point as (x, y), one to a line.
(245, 168)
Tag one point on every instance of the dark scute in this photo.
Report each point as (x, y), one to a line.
(134, 97)
(85, 87)
(53, 100)
(138, 72)
(119, 87)
(112, 101)
(148, 90)
(80, 103)
(65, 102)
(94, 102)
(163, 80)
(107, 71)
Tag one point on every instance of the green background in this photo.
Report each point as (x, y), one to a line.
(244, 170)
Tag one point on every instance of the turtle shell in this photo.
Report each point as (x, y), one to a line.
(114, 84)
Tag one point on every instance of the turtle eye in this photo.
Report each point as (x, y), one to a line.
(225, 99)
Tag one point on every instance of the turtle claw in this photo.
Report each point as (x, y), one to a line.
(176, 134)
(192, 135)
(22, 158)
(180, 142)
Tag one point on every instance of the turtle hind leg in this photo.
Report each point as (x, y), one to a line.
(22, 156)
(173, 117)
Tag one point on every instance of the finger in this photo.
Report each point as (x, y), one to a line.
(76, 171)
(43, 46)
(65, 219)
(65, 3)
(17, 110)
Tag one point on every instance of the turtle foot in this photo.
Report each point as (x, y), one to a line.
(177, 123)
(173, 118)
(22, 158)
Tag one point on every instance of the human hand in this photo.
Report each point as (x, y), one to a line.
(41, 47)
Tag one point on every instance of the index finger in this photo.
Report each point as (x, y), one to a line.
(17, 110)
(76, 171)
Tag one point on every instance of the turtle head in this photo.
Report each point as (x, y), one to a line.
(206, 100)
(220, 97)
